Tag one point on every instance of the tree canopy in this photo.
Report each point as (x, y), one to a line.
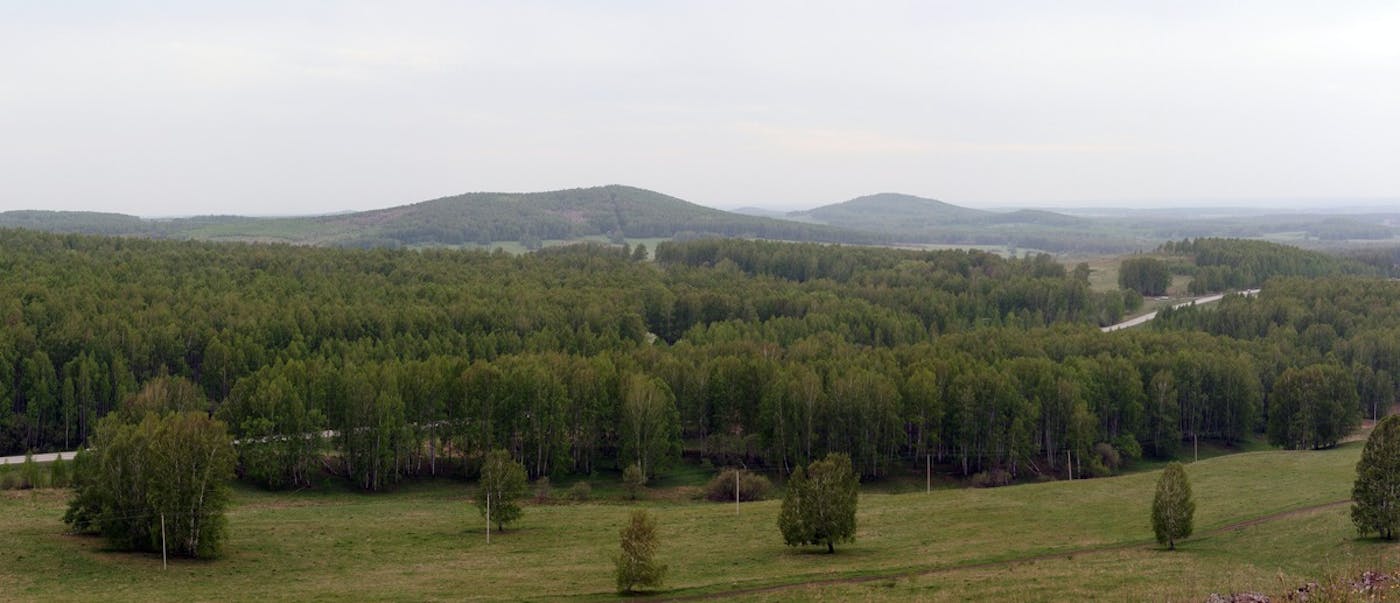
(500, 488)
(1173, 510)
(385, 365)
(819, 505)
(155, 467)
(1376, 493)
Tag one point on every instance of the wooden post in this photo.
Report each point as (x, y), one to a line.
(928, 473)
(1069, 464)
(488, 518)
(1196, 442)
(736, 491)
(164, 564)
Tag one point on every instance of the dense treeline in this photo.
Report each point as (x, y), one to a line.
(1345, 323)
(1222, 264)
(583, 358)
(1146, 275)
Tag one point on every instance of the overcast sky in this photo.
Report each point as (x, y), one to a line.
(174, 108)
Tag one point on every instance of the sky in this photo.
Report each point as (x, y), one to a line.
(291, 107)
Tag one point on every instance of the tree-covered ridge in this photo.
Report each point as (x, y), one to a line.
(78, 222)
(619, 211)
(1221, 264)
(470, 219)
(1351, 323)
(584, 357)
(911, 219)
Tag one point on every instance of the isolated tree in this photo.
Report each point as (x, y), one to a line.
(502, 485)
(819, 506)
(633, 480)
(1172, 507)
(1377, 489)
(636, 564)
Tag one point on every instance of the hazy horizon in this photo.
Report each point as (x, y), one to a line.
(304, 108)
(1281, 206)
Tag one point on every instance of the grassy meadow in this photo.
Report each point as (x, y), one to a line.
(1043, 541)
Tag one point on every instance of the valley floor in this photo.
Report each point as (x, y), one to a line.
(1266, 521)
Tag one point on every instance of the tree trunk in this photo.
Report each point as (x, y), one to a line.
(829, 547)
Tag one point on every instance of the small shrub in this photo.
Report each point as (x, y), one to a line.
(751, 486)
(992, 478)
(636, 563)
(58, 473)
(543, 491)
(9, 480)
(1128, 448)
(634, 481)
(1093, 467)
(30, 472)
(580, 491)
(1108, 456)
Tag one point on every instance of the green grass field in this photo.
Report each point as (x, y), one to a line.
(424, 541)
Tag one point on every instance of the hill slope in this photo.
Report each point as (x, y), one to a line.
(911, 219)
(472, 218)
(887, 211)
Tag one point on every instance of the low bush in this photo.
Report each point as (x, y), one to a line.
(751, 486)
(543, 491)
(580, 491)
(992, 478)
(1108, 455)
(9, 480)
(634, 481)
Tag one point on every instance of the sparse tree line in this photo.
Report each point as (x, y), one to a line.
(420, 363)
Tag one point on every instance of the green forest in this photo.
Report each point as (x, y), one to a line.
(385, 365)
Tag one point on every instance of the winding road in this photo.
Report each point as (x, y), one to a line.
(1138, 320)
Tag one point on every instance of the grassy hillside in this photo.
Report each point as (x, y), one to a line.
(616, 212)
(1052, 541)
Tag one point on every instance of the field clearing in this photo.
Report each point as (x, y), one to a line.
(424, 542)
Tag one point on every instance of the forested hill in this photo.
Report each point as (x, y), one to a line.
(911, 219)
(485, 219)
(615, 211)
(916, 220)
(894, 211)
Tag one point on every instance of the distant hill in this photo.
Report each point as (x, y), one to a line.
(85, 222)
(892, 211)
(911, 219)
(617, 212)
(760, 212)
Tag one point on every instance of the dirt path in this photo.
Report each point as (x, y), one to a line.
(1006, 562)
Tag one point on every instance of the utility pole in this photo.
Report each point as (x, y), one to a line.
(164, 564)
